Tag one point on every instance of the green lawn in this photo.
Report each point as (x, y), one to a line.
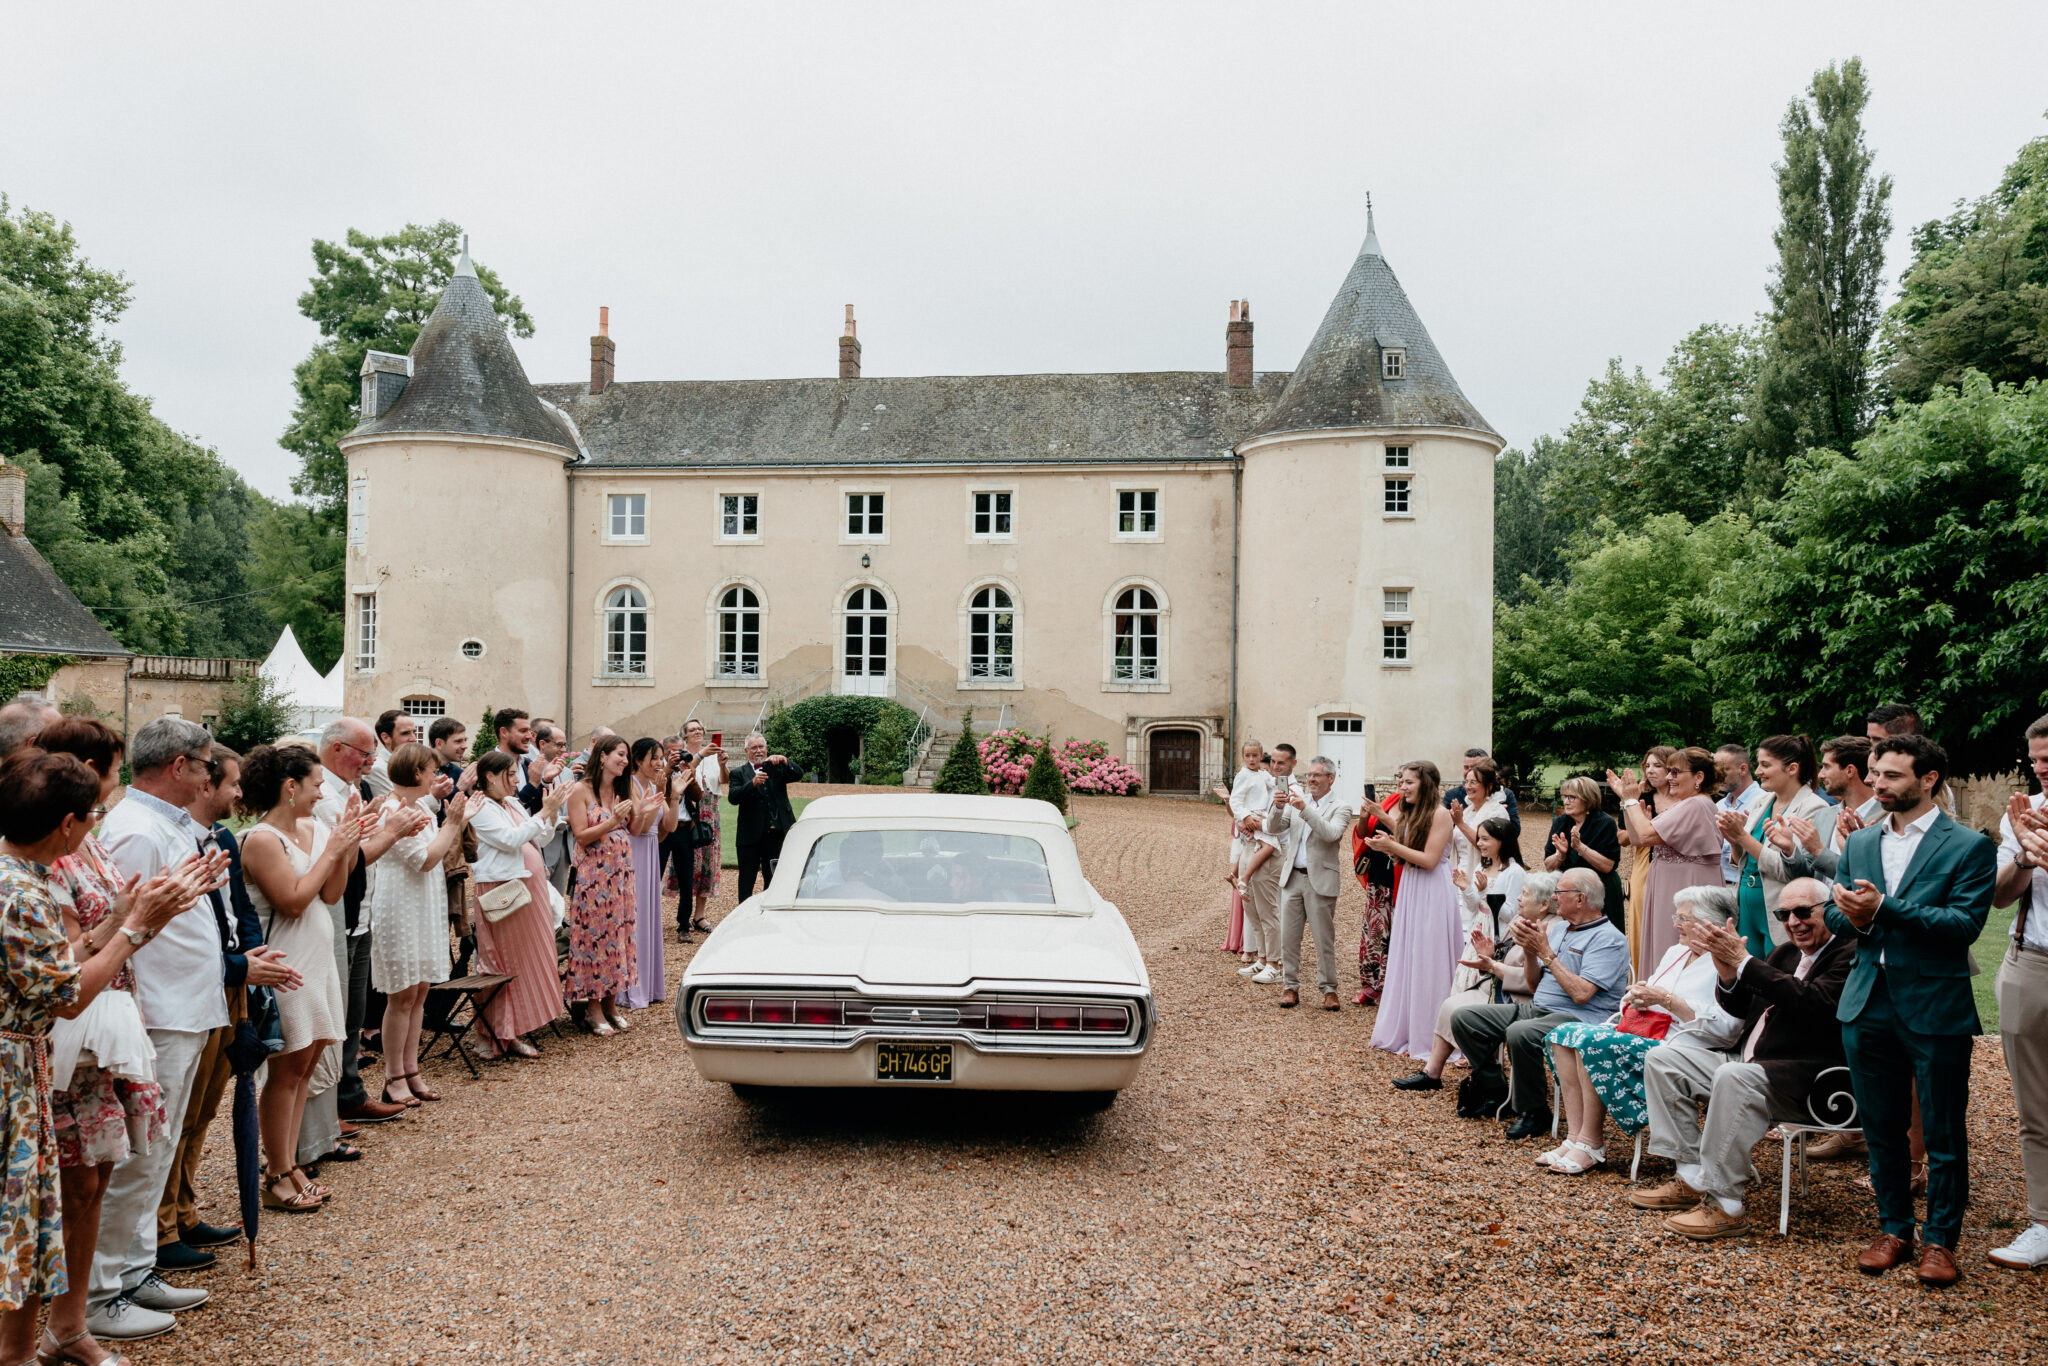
(1990, 951)
(729, 825)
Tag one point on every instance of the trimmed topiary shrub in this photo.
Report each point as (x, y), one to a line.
(962, 774)
(1045, 782)
(801, 732)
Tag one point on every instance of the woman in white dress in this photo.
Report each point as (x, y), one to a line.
(409, 951)
(296, 871)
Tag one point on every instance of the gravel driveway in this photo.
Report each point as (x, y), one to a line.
(1261, 1194)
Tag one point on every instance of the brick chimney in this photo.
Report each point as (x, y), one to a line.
(1237, 345)
(603, 351)
(13, 499)
(385, 376)
(849, 349)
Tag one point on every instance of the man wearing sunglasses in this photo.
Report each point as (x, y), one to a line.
(1788, 1004)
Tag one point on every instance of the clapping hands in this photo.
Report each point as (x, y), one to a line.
(1625, 784)
(1860, 902)
(1482, 953)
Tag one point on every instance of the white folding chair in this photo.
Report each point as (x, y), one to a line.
(1838, 1103)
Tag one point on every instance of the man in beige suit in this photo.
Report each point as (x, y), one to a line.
(1312, 826)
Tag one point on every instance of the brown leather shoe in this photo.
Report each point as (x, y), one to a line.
(1673, 1194)
(1938, 1266)
(1330, 1001)
(1884, 1254)
(1837, 1147)
(1289, 999)
(372, 1112)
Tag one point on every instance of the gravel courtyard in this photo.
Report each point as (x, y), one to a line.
(1261, 1194)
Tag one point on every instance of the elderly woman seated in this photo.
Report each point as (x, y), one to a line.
(1501, 979)
(1599, 1067)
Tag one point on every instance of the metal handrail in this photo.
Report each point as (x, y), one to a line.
(798, 689)
(920, 734)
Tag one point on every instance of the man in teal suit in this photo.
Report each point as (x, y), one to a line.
(1912, 892)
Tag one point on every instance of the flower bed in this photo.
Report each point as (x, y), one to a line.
(1007, 756)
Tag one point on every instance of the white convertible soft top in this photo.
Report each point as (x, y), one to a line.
(909, 809)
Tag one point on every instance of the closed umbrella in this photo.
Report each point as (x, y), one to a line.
(248, 1051)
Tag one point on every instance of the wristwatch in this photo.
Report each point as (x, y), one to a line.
(138, 937)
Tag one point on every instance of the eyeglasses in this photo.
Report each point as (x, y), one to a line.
(99, 813)
(356, 750)
(1785, 913)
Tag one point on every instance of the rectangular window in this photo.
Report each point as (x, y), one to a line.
(991, 514)
(423, 706)
(739, 516)
(628, 516)
(1394, 642)
(359, 510)
(1393, 363)
(1397, 457)
(1343, 725)
(1137, 512)
(366, 631)
(1397, 497)
(864, 516)
(1394, 601)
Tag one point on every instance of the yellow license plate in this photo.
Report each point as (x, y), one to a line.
(913, 1062)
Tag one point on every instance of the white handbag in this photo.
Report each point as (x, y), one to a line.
(107, 1033)
(503, 899)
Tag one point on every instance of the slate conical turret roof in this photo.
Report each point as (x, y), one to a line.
(466, 378)
(1338, 383)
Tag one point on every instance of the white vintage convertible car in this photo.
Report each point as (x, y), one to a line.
(922, 942)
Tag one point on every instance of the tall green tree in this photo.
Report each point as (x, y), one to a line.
(1528, 543)
(1976, 295)
(1834, 214)
(296, 564)
(1603, 666)
(368, 294)
(1917, 571)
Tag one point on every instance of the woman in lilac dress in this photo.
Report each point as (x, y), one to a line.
(654, 804)
(1423, 952)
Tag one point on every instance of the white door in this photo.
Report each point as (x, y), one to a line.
(864, 671)
(1342, 738)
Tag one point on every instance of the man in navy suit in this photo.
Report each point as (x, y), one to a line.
(1912, 892)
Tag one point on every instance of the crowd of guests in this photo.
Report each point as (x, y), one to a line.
(150, 952)
(1792, 945)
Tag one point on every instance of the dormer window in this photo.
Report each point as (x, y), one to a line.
(1394, 362)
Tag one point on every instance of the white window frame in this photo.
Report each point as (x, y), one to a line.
(601, 672)
(1406, 492)
(738, 537)
(1405, 631)
(366, 631)
(1394, 362)
(839, 614)
(974, 513)
(719, 677)
(1162, 680)
(1138, 512)
(967, 679)
(1405, 611)
(1399, 458)
(646, 517)
(847, 537)
(419, 705)
(482, 648)
(359, 510)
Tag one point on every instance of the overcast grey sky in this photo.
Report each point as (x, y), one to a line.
(1041, 187)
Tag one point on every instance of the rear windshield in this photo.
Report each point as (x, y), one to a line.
(928, 867)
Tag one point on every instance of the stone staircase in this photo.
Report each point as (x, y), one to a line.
(925, 771)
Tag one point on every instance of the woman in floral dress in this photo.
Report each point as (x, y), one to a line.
(603, 961)
(710, 778)
(46, 813)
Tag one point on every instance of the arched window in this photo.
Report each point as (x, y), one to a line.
(625, 633)
(991, 635)
(1137, 637)
(739, 634)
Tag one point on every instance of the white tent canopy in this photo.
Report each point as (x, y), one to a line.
(315, 700)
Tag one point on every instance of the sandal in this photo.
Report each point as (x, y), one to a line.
(411, 1102)
(412, 1083)
(617, 1021)
(314, 1187)
(1917, 1185)
(520, 1048)
(298, 1202)
(1578, 1159)
(60, 1353)
(343, 1151)
(700, 923)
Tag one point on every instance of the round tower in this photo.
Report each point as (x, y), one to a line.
(457, 524)
(1366, 543)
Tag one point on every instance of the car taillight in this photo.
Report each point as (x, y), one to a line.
(727, 1010)
(818, 1013)
(1105, 1019)
(1059, 1017)
(1009, 1015)
(768, 1011)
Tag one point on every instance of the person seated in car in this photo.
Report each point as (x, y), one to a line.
(861, 871)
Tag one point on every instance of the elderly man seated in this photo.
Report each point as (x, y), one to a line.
(1787, 1005)
(1578, 965)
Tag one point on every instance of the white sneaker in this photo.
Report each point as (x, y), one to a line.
(2024, 1253)
(1266, 976)
(159, 1294)
(1248, 969)
(123, 1320)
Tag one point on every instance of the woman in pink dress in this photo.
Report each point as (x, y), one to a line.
(520, 944)
(1423, 951)
(1686, 839)
(602, 958)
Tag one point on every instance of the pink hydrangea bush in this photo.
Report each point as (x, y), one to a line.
(1007, 756)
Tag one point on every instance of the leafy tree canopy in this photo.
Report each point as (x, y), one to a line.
(1976, 295)
(1917, 572)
